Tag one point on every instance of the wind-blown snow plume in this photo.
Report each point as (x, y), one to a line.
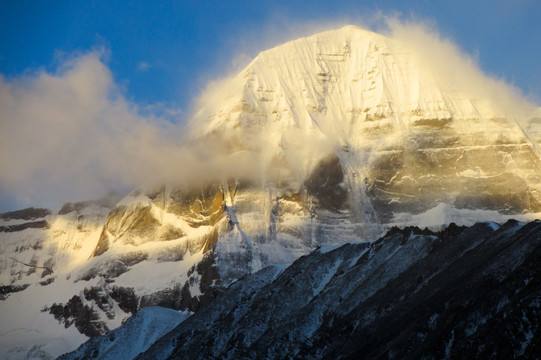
(457, 71)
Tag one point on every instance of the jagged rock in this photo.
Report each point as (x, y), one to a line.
(25, 214)
(42, 224)
(82, 316)
(100, 296)
(5, 290)
(47, 281)
(126, 299)
(459, 293)
(208, 285)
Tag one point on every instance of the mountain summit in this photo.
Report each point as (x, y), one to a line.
(332, 83)
(324, 140)
(404, 138)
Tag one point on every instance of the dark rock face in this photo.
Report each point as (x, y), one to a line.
(326, 184)
(25, 214)
(85, 319)
(126, 298)
(100, 296)
(459, 293)
(42, 224)
(6, 290)
(210, 284)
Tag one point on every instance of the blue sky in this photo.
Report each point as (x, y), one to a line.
(92, 93)
(164, 51)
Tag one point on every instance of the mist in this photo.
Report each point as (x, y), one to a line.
(72, 134)
(456, 70)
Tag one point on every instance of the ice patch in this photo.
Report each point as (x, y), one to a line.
(494, 226)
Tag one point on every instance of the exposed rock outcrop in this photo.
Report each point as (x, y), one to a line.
(459, 293)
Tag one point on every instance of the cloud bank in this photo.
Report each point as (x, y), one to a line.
(455, 69)
(72, 135)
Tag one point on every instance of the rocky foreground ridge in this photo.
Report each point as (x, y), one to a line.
(463, 292)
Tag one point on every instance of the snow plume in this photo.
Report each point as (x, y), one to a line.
(229, 118)
(455, 71)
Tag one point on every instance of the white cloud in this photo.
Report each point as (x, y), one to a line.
(457, 70)
(143, 66)
(72, 135)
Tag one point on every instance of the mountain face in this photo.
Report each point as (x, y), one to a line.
(40, 252)
(58, 289)
(326, 140)
(406, 141)
(413, 294)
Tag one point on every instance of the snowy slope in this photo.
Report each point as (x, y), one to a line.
(56, 292)
(54, 250)
(133, 337)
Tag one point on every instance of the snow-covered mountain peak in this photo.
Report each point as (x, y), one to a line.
(341, 89)
(328, 81)
(324, 140)
(409, 134)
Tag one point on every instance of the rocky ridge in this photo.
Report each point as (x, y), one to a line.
(458, 293)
